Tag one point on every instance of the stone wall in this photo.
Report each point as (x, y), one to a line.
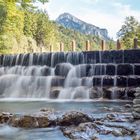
(114, 56)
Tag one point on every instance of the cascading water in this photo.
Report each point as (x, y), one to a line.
(62, 75)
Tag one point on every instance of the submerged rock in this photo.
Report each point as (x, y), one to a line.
(136, 106)
(75, 124)
(91, 130)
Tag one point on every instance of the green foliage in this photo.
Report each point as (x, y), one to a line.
(66, 36)
(129, 31)
(46, 31)
(23, 28)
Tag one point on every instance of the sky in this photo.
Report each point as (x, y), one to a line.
(109, 14)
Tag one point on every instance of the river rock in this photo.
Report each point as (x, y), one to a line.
(27, 122)
(89, 130)
(5, 117)
(136, 138)
(84, 131)
(137, 109)
(74, 118)
(136, 104)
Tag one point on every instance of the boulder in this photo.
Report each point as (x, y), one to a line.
(5, 117)
(27, 122)
(74, 118)
(55, 92)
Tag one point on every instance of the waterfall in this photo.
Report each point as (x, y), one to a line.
(67, 75)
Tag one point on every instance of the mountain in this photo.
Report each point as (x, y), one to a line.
(71, 22)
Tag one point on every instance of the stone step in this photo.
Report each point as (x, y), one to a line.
(98, 92)
(110, 81)
(95, 81)
(54, 58)
(83, 70)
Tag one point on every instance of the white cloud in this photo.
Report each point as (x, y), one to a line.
(98, 12)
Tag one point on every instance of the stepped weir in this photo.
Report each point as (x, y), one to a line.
(70, 75)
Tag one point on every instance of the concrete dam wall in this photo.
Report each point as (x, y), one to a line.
(71, 75)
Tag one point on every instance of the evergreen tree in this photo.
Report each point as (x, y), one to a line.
(129, 31)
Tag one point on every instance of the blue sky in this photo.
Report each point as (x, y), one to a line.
(109, 14)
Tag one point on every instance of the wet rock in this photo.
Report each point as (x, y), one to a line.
(131, 93)
(137, 109)
(107, 93)
(119, 117)
(136, 115)
(43, 121)
(117, 133)
(47, 110)
(55, 92)
(136, 106)
(14, 121)
(128, 106)
(5, 117)
(27, 122)
(123, 129)
(95, 93)
(74, 118)
(136, 138)
(84, 131)
(98, 122)
(114, 93)
(90, 130)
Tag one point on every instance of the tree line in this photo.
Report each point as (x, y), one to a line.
(26, 28)
(129, 30)
(23, 27)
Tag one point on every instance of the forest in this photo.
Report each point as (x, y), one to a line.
(25, 28)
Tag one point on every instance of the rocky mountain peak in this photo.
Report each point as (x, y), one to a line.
(71, 22)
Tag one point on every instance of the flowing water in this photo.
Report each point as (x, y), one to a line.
(24, 106)
(56, 76)
(29, 82)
